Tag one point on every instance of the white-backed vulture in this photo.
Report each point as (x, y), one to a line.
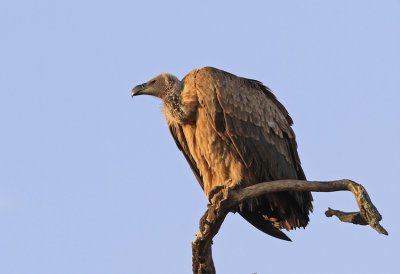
(234, 132)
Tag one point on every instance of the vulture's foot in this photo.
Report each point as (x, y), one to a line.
(219, 193)
(212, 195)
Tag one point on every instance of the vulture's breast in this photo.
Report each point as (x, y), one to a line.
(214, 157)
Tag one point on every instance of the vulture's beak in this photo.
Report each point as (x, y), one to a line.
(138, 90)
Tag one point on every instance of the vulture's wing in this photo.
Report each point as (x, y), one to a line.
(180, 140)
(248, 116)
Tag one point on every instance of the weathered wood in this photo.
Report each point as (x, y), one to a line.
(210, 224)
(226, 200)
(347, 217)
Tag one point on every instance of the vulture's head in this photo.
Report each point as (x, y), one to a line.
(158, 86)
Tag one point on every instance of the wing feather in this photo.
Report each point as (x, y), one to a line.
(180, 140)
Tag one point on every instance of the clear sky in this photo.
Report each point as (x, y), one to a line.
(91, 181)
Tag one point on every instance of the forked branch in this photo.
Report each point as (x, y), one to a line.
(226, 200)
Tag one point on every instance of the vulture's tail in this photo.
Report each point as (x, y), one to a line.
(257, 220)
(280, 210)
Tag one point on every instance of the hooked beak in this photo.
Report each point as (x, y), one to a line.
(138, 90)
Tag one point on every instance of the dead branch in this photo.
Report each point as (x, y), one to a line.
(225, 200)
(347, 217)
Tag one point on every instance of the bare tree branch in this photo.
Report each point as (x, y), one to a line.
(225, 200)
(348, 217)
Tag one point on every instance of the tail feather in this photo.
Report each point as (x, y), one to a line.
(257, 220)
(274, 211)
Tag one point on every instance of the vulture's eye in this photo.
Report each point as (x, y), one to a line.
(152, 82)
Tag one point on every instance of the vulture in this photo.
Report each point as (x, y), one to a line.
(234, 133)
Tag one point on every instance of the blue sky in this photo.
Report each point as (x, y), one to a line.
(92, 182)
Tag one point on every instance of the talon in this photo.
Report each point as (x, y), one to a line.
(214, 191)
